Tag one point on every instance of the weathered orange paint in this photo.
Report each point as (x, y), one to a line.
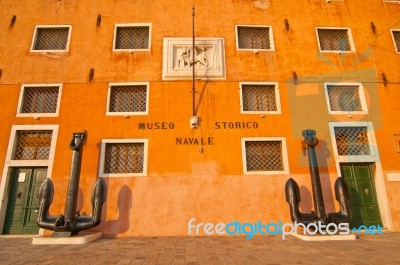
(204, 182)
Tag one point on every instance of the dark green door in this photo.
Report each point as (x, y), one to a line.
(23, 201)
(363, 202)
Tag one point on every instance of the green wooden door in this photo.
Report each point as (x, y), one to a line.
(23, 201)
(363, 201)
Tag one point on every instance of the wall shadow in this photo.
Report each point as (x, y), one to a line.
(111, 228)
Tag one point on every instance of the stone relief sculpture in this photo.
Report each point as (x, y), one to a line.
(185, 60)
(178, 61)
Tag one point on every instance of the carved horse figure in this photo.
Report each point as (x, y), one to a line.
(293, 192)
(70, 223)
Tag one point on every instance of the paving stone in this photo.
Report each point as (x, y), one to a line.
(367, 249)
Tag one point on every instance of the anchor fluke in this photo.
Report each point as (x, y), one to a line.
(293, 199)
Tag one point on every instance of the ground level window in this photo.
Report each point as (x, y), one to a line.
(264, 155)
(123, 158)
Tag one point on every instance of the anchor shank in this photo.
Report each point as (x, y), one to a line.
(73, 182)
(311, 140)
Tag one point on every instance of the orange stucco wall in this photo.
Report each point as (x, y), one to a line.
(204, 182)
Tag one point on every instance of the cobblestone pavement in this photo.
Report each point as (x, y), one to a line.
(367, 249)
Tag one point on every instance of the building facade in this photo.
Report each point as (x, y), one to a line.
(264, 72)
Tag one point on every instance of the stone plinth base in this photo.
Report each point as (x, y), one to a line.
(81, 238)
(325, 237)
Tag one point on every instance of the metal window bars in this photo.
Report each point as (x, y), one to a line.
(344, 98)
(40, 100)
(51, 39)
(352, 141)
(264, 156)
(32, 145)
(334, 39)
(124, 158)
(128, 98)
(132, 37)
(254, 38)
(259, 98)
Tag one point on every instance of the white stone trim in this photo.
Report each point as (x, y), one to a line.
(349, 34)
(391, 31)
(277, 98)
(4, 185)
(21, 101)
(271, 38)
(361, 96)
(110, 85)
(131, 25)
(285, 159)
(102, 155)
(394, 176)
(51, 26)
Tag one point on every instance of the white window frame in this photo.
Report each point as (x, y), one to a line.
(349, 34)
(285, 159)
(103, 152)
(271, 38)
(129, 25)
(133, 113)
(48, 27)
(373, 157)
(38, 114)
(361, 95)
(277, 98)
(394, 42)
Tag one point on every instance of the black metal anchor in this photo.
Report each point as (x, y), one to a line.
(293, 192)
(70, 223)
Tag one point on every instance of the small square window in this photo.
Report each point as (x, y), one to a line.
(132, 37)
(345, 98)
(254, 38)
(264, 156)
(51, 38)
(396, 39)
(260, 98)
(335, 40)
(128, 99)
(39, 100)
(123, 157)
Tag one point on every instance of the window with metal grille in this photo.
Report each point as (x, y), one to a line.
(345, 98)
(124, 158)
(352, 141)
(128, 99)
(32, 145)
(396, 39)
(39, 99)
(254, 38)
(334, 39)
(259, 98)
(51, 38)
(264, 156)
(132, 37)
